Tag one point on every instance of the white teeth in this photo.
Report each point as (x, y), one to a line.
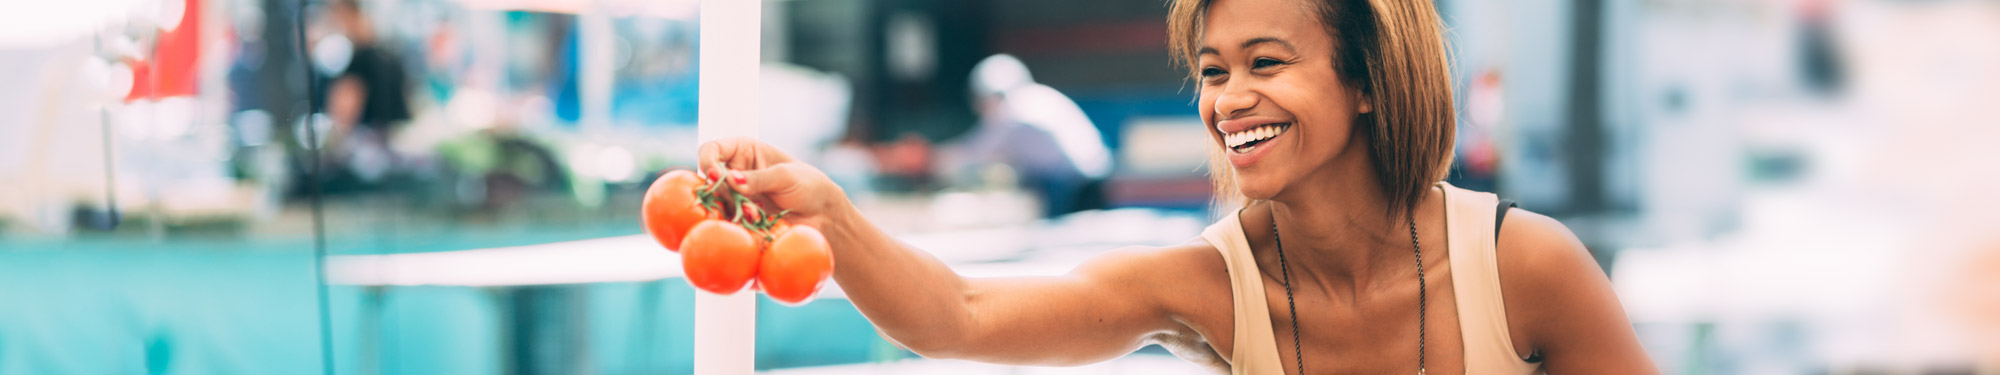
(1238, 139)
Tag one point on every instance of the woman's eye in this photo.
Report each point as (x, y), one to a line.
(1210, 72)
(1265, 63)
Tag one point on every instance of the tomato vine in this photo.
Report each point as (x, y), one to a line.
(735, 205)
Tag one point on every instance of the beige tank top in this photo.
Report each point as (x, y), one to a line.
(1482, 313)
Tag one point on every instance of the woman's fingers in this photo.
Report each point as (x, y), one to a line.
(778, 181)
(757, 170)
(738, 153)
(793, 187)
(717, 156)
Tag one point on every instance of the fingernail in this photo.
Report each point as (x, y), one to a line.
(737, 177)
(713, 175)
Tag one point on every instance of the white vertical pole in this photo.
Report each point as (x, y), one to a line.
(596, 50)
(725, 327)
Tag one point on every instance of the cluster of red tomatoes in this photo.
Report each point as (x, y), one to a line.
(727, 242)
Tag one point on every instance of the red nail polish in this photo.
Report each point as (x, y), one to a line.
(738, 177)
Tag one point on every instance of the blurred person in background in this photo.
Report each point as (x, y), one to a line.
(1036, 132)
(1330, 121)
(1818, 48)
(368, 101)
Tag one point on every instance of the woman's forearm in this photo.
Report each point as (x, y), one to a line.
(911, 296)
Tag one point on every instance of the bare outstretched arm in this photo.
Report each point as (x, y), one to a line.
(1097, 312)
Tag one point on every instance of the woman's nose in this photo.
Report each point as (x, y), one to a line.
(1233, 101)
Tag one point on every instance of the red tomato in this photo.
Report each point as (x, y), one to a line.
(796, 267)
(671, 208)
(719, 257)
(764, 246)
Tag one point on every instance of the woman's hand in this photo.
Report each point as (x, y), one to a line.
(764, 173)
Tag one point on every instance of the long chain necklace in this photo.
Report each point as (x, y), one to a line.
(1298, 353)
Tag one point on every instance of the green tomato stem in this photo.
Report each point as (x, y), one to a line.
(758, 220)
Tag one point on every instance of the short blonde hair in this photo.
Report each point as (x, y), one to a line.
(1392, 52)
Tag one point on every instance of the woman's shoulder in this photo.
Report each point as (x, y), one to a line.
(1546, 275)
(1530, 244)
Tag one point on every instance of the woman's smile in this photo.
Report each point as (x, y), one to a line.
(1248, 139)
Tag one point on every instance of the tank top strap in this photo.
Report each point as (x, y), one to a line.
(1255, 347)
(1470, 217)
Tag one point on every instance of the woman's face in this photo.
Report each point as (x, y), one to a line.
(1269, 93)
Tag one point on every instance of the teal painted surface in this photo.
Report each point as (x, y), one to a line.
(821, 332)
(248, 307)
(101, 308)
(641, 328)
(437, 330)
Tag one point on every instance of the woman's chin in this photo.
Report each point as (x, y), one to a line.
(1257, 191)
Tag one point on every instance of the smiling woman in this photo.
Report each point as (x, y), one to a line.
(1405, 95)
(1325, 113)
(1330, 122)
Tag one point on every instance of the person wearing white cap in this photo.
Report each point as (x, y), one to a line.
(1036, 131)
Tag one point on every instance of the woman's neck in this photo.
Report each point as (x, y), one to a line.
(1337, 230)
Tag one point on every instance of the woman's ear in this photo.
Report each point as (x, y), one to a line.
(1363, 103)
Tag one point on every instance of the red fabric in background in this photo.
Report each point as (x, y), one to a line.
(171, 72)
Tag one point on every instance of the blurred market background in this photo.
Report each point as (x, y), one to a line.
(1775, 186)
